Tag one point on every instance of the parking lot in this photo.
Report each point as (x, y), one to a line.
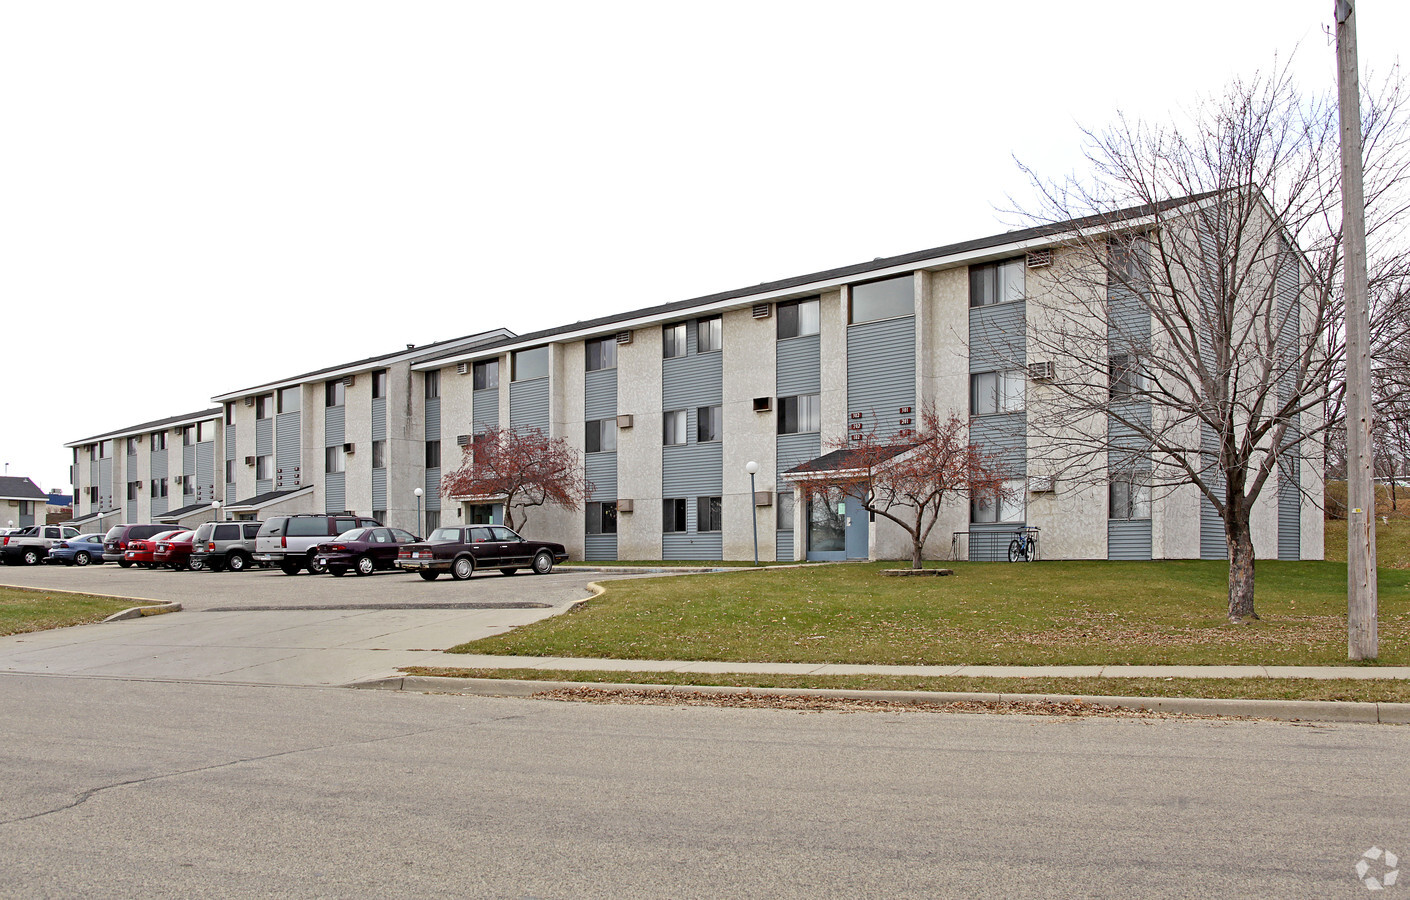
(265, 627)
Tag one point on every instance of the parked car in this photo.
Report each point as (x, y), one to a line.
(291, 542)
(363, 550)
(142, 552)
(77, 551)
(119, 536)
(174, 552)
(30, 545)
(460, 551)
(225, 545)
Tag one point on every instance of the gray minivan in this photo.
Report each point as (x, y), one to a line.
(291, 542)
(225, 545)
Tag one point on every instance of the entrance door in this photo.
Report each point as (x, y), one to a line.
(858, 529)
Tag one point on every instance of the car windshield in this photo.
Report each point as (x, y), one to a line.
(352, 534)
(113, 533)
(444, 534)
(181, 536)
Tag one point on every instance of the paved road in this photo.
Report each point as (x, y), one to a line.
(181, 790)
(269, 628)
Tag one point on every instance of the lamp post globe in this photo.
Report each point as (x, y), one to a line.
(418, 492)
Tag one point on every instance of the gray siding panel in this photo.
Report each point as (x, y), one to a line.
(600, 546)
(379, 488)
(881, 375)
(264, 437)
(335, 492)
(692, 470)
(692, 546)
(433, 488)
(205, 471)
(288, 451)
(486, 409)
(1290, 500)
(794, 449)
(379, 420)
(1212, 544)
(433, 419)
(990, 543)
(230, 445)
(1289, 465)
(528, 404)
(334, 418)
(600, 394)
(602, 472)
(264, 486)
(1128, 538)
(688, 381)
(1003, 436)
(106, 498)
(799, 366)
(997, 337)
(230, 491)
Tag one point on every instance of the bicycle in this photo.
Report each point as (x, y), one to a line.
(1024, 546)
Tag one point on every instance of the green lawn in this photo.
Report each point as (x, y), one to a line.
(23, 610)
(1061, 613)
(1364, 690)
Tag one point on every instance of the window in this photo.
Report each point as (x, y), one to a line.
(709, 334)
(230, 471)
(785, 511)
(797, 318)
(800, 415)
(158, 440)
(381, 516)
(379, 384)
(379, 457)
(132, 490)
(93, 492)
(602, 517)
(433, 454)
(131, 446)
(601, 436)
(1127, 260)
(335, 393)
(1130, 496)
(188, 436)
(264, 468)
(991, 393)
(1000, 282)
(673, 516)
(291, 399)
(433, 519)
(673, 341)
(433, 385)
(530, 364)
(708, 513)
(158, 488)
(709, 424)
(1126, 379)
(887, 299)
(673, 427)
(485, 375)
(1007, 507)
(105, 450)
(332, 459)
(601, 354)
(92, 451)
(205, 431)
(230, 414)
(264, 406)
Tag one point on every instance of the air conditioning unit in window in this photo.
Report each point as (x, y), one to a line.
(249, 460)
(1039, 259)
(1042, 371)
(762, 310)
(350, 449)
(624, 420)
(626, 506)
(624, 337)
(763, 498)
(349, 380)
(462, 440)
(1041, 484)
(139, 482)
(249, 401)
(462, 368)
(763, 404)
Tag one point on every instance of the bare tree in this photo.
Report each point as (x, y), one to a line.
(1195, 317)
(908, 480)
(521, 468)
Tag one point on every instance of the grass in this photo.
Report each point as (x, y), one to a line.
(1343, 689)
(1046, 613)
(23, 610)
(670, 563)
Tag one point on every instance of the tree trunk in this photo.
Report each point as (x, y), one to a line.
(1239, 537)
(915, 553)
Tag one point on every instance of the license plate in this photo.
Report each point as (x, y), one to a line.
(323, 560)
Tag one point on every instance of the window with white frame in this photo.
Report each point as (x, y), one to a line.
(888, 298)
(600, 353)
(709, 424)
(264, 468)
(992, 393)
(600, 436)
(797, 318)
(602, 517)
(1008, 506)
(291, 399)
(1125, 377)
(997, 282)
(1130, 496)
(333, 459)
(709, 334)
(529, 364)
(785, 511)
(709, 513)
(485, 375)
(800, 415)
(673, 515)
(673, 340)
(673, 427)
(379, 457)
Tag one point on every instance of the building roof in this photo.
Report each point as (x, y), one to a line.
(13, 487)
(267, 498)
(805, 284)
(179, 512)
(844, 458)
(157, 425)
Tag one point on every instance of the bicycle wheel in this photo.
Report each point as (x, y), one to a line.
(1015, 550)
(1030, 549)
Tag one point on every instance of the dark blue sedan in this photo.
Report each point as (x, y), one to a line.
(79, 551)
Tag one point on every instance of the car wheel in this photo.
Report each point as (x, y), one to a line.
(237, 562)
(81, 558)
(125, 563)
(314, 566)
(509, 571)
(337, 571)
(194, 565)
(462, 568)
(543, 563)
(290, 568)
(30, 557)
(428, 575)
(365, 565)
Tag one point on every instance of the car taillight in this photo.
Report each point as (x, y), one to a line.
(403, 554)
(284, 541)
(210, 548)
(64, 545)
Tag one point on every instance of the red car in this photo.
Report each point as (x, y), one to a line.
(141, 552)
(175, 552)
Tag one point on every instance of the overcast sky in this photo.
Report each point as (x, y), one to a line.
(199, 197)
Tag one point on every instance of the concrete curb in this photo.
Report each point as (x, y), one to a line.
(1281, 710)
(138, 612)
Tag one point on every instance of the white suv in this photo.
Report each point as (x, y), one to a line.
(291, 542)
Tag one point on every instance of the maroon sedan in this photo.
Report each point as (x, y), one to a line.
(175, 552)
(363, 550)
(142, 552)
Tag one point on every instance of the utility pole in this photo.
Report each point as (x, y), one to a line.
(1361, 639)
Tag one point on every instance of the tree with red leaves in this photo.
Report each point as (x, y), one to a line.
(909, 479)
(520, 468)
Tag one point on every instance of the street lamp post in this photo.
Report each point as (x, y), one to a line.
(215, 507)
(752, 468)
(418, 492)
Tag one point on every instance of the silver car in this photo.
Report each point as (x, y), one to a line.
(291, 542)
(225, 545)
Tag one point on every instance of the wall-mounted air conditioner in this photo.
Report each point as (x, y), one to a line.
(1041, 484)
(462, 368)
(625, 420)
(350, 449)
(763, 404)
(249, 460)
(1042, 371)
(462, 440)
(762, 310)
(1039, 259)
(625, 506)
(249, 401)
(624, 337)
(763, 498)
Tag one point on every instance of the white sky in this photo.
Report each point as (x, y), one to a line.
(199, 197)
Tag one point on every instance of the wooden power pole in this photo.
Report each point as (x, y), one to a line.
(1361, 639)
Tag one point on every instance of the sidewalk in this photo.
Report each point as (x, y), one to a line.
(565, 664)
